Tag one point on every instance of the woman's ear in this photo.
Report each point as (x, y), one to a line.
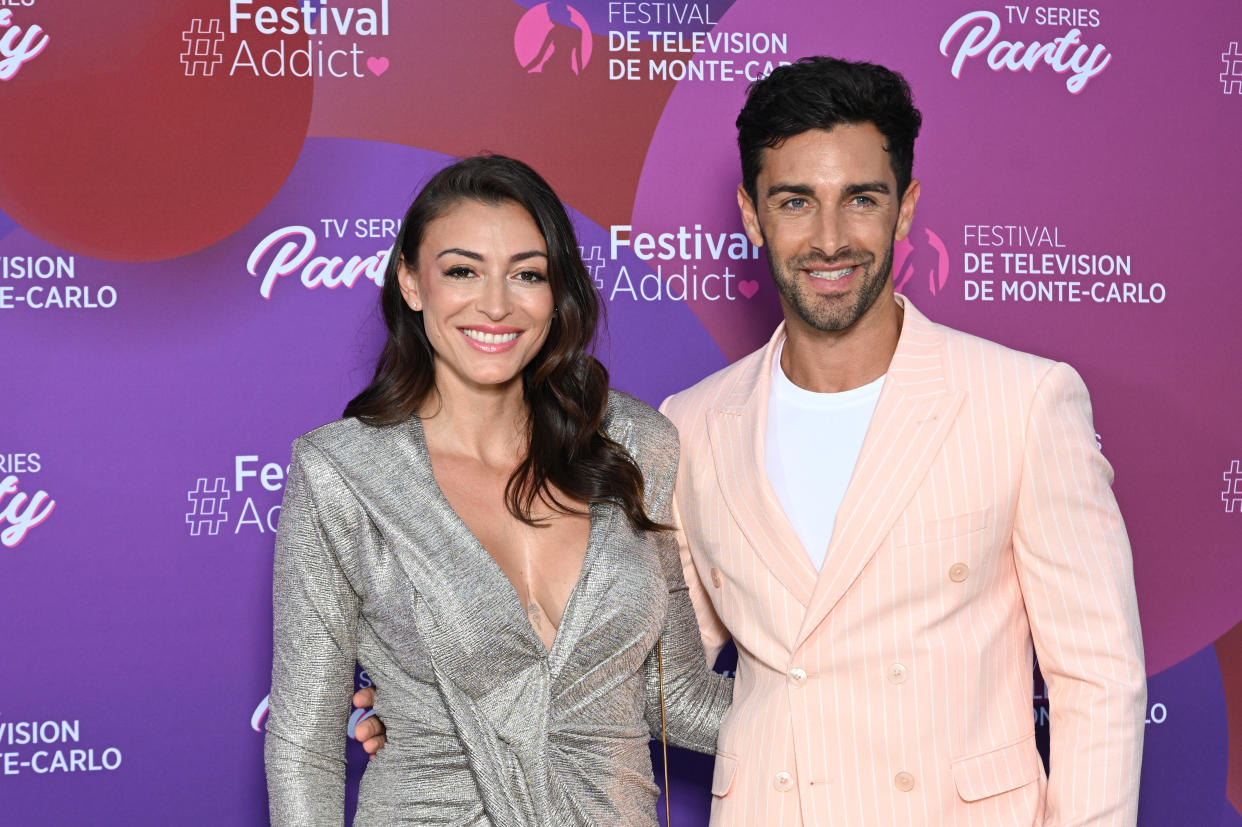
(408, 280)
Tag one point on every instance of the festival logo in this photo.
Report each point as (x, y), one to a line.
(921, 257)
(49, 283)
(1040, 263)
(536, 36)
(1231, 78)
(50, 747)
(266, 41)
(18, 46)
(687, 264)
(978, 34)
(247, 500)
(683, 42)
(1232, 495)
(21, 512)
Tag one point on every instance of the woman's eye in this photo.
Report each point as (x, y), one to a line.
(531, 276)
(459, 272)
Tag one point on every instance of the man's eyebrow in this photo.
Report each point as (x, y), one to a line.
(870, 186)
(852, 189)
(792, 189)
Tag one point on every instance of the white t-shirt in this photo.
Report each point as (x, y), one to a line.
(811, 447)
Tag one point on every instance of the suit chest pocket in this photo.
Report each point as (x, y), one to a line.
(941, 530)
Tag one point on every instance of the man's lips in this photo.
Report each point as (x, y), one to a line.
(835, 279)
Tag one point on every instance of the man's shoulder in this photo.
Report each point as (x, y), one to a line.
(714, 390)
(973, 360)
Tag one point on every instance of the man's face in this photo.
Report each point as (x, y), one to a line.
(827, 211)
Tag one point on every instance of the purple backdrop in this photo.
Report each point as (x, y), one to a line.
(193, 217)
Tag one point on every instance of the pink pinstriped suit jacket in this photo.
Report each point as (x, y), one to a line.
(894, 687)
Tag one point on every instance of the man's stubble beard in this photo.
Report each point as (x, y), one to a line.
(820, 312)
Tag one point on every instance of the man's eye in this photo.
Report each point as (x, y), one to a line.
(796, 203)
(862, 201)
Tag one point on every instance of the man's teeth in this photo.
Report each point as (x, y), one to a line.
(490, 338)
(830, 275)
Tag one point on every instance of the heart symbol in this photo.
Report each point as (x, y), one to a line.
(748, 287)
(377, 65)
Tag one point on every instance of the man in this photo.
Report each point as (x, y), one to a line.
(890, 518)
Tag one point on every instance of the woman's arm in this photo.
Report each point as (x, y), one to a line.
(315, 613)
(695, 697)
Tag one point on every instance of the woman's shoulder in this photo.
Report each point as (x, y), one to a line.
(644, 431)
(348, 443)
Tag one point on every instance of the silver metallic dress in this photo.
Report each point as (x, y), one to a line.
(486, 726)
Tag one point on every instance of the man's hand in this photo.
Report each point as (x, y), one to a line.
(371, 731)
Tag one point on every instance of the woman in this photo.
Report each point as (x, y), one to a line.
(482, 532)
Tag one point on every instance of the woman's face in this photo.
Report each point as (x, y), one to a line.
(481, 283)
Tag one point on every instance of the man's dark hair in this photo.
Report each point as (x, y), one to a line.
(822, 93)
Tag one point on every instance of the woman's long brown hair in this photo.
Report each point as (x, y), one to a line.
(565, 387)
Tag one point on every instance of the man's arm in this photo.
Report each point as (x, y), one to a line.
(369, 731)
(712, 630)
(1077, 578)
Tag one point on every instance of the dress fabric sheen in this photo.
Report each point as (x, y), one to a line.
(486, 726)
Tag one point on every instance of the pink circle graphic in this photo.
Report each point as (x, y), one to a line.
(536, 36)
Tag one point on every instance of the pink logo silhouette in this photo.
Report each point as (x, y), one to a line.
(536, 37)
(926, 258)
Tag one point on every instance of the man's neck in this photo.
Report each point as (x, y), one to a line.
(841, 360)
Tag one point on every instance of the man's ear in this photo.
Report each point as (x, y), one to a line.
(750, 216)
(905, 213)
(408, 280)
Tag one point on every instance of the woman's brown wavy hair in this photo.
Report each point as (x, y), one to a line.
(565, 387)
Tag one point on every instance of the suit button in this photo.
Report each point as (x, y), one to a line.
(717, 580)
(904, 781)
(797, 676)
(959, 572)
(897, 673)
(783, 781)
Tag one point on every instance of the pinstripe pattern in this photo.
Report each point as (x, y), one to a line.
(978, 530)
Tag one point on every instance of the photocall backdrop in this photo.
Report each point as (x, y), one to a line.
(197, 198)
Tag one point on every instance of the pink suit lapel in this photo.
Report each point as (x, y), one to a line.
(736, 432)
(913, 416)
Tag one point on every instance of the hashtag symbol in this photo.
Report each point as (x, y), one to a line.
(596, 255)
(202, 47)
(1232, 495)
(207, 506)
(1231, 78)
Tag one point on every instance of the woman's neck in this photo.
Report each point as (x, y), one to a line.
(488, 423)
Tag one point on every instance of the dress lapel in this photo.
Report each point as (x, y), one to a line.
(915, 410)
(736, 431)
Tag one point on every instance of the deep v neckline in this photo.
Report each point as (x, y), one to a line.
(597, 519)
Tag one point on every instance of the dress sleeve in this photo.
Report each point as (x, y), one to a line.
(695, 697)
(315, 613)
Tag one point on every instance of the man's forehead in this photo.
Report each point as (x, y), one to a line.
(845, 155)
